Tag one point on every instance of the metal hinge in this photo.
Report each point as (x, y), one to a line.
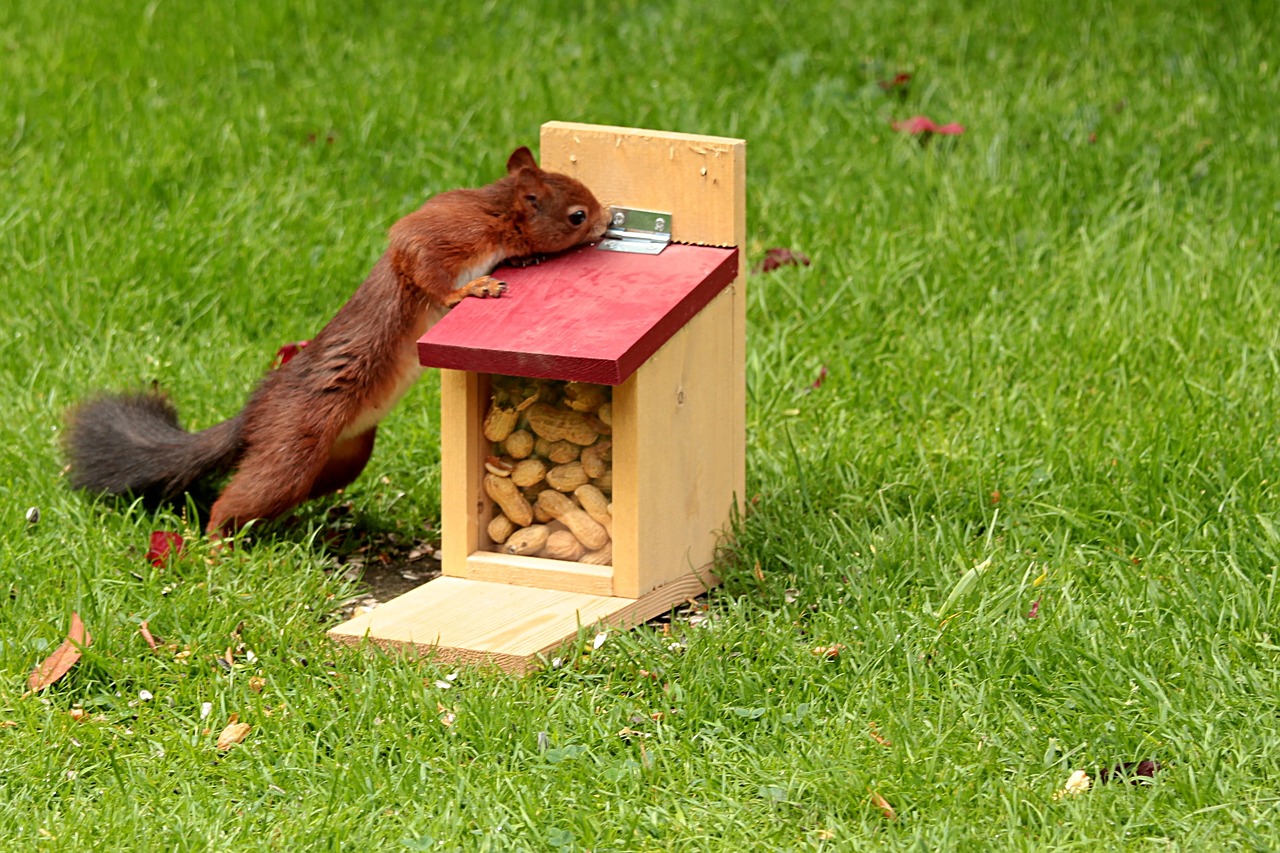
(640, 232)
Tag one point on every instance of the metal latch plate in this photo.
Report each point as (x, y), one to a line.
(640, 232)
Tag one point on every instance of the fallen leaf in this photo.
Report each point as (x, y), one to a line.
(58, 664)
(1035, 610)
(146, 635)
(286, 353)
(883, 805)
(822, 377)
(256, 683)
(925, 127)
(165, 545)
(877, 737)
(898, 84)
(828, 652)
(234, 733)
(1077, 783)
(629, 732)
(1131, 771)
(780, 257)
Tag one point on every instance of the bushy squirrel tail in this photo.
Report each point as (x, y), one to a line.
(131, 443)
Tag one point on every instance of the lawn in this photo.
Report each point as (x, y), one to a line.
(1013, 433)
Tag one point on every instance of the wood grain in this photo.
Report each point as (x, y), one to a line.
(466, 621)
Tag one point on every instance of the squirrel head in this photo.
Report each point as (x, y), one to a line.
(554, 212)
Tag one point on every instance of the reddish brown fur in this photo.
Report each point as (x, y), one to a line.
(309, 427)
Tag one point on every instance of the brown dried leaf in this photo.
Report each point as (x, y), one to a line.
(883, 805)
(146, 635)
(234, 733)
(58, 664)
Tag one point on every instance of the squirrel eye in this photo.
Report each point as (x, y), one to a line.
(577, 217)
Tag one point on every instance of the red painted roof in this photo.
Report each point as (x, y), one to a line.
(589, 315)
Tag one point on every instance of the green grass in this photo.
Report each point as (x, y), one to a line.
(1053, 348)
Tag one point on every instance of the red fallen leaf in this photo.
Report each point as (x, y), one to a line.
(822, 377)
(286, 353)
(1130, 771)
(1035, 610)
(164, 545)
(146, 635)
(780, 257)
(926, 127)
(58, 664)
(898, 83)
(883, 805)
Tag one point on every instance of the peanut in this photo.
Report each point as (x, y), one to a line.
(567, 477)
(562, 451)
(519, 444)
(498, 467)
(605, 413)
(555, 424)
(599, 557)
(527, 472)
(499, 423)
(596, 505)
(527, 541)
(562, 545)
(595, 459)
(589, 532)
(582, 397)
(604, 482)
(500, 528)
(508, 498)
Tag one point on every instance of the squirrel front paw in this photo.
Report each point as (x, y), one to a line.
(483, 287)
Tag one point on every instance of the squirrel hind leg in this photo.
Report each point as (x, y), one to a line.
(275, 476)
(346, 460)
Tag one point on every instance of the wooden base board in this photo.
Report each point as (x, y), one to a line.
(468, 621)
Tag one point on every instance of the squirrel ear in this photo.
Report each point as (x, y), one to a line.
(521, 158)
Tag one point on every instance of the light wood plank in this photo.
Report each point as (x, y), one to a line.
(466, 621)
(464, 509)
(563, 575)
(701, 180)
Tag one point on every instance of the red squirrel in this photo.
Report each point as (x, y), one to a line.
(309, 426)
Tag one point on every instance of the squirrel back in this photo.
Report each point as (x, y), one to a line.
(309, 426)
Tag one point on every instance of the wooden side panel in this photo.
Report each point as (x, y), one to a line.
(701, 180)
(468, 621)
(677, 474)
(464, 512)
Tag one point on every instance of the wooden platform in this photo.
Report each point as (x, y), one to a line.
(512, 627)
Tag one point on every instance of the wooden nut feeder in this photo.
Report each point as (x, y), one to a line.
(625, 371)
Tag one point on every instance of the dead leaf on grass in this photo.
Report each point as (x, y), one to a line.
(58, 664)
(146, 635)
(165, 545)
(883, 805)
(234, 733)
(779, 256)
(286, 353)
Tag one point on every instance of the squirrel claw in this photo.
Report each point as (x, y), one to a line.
(483, 287)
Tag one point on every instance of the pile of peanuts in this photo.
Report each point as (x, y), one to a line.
(551, 473)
